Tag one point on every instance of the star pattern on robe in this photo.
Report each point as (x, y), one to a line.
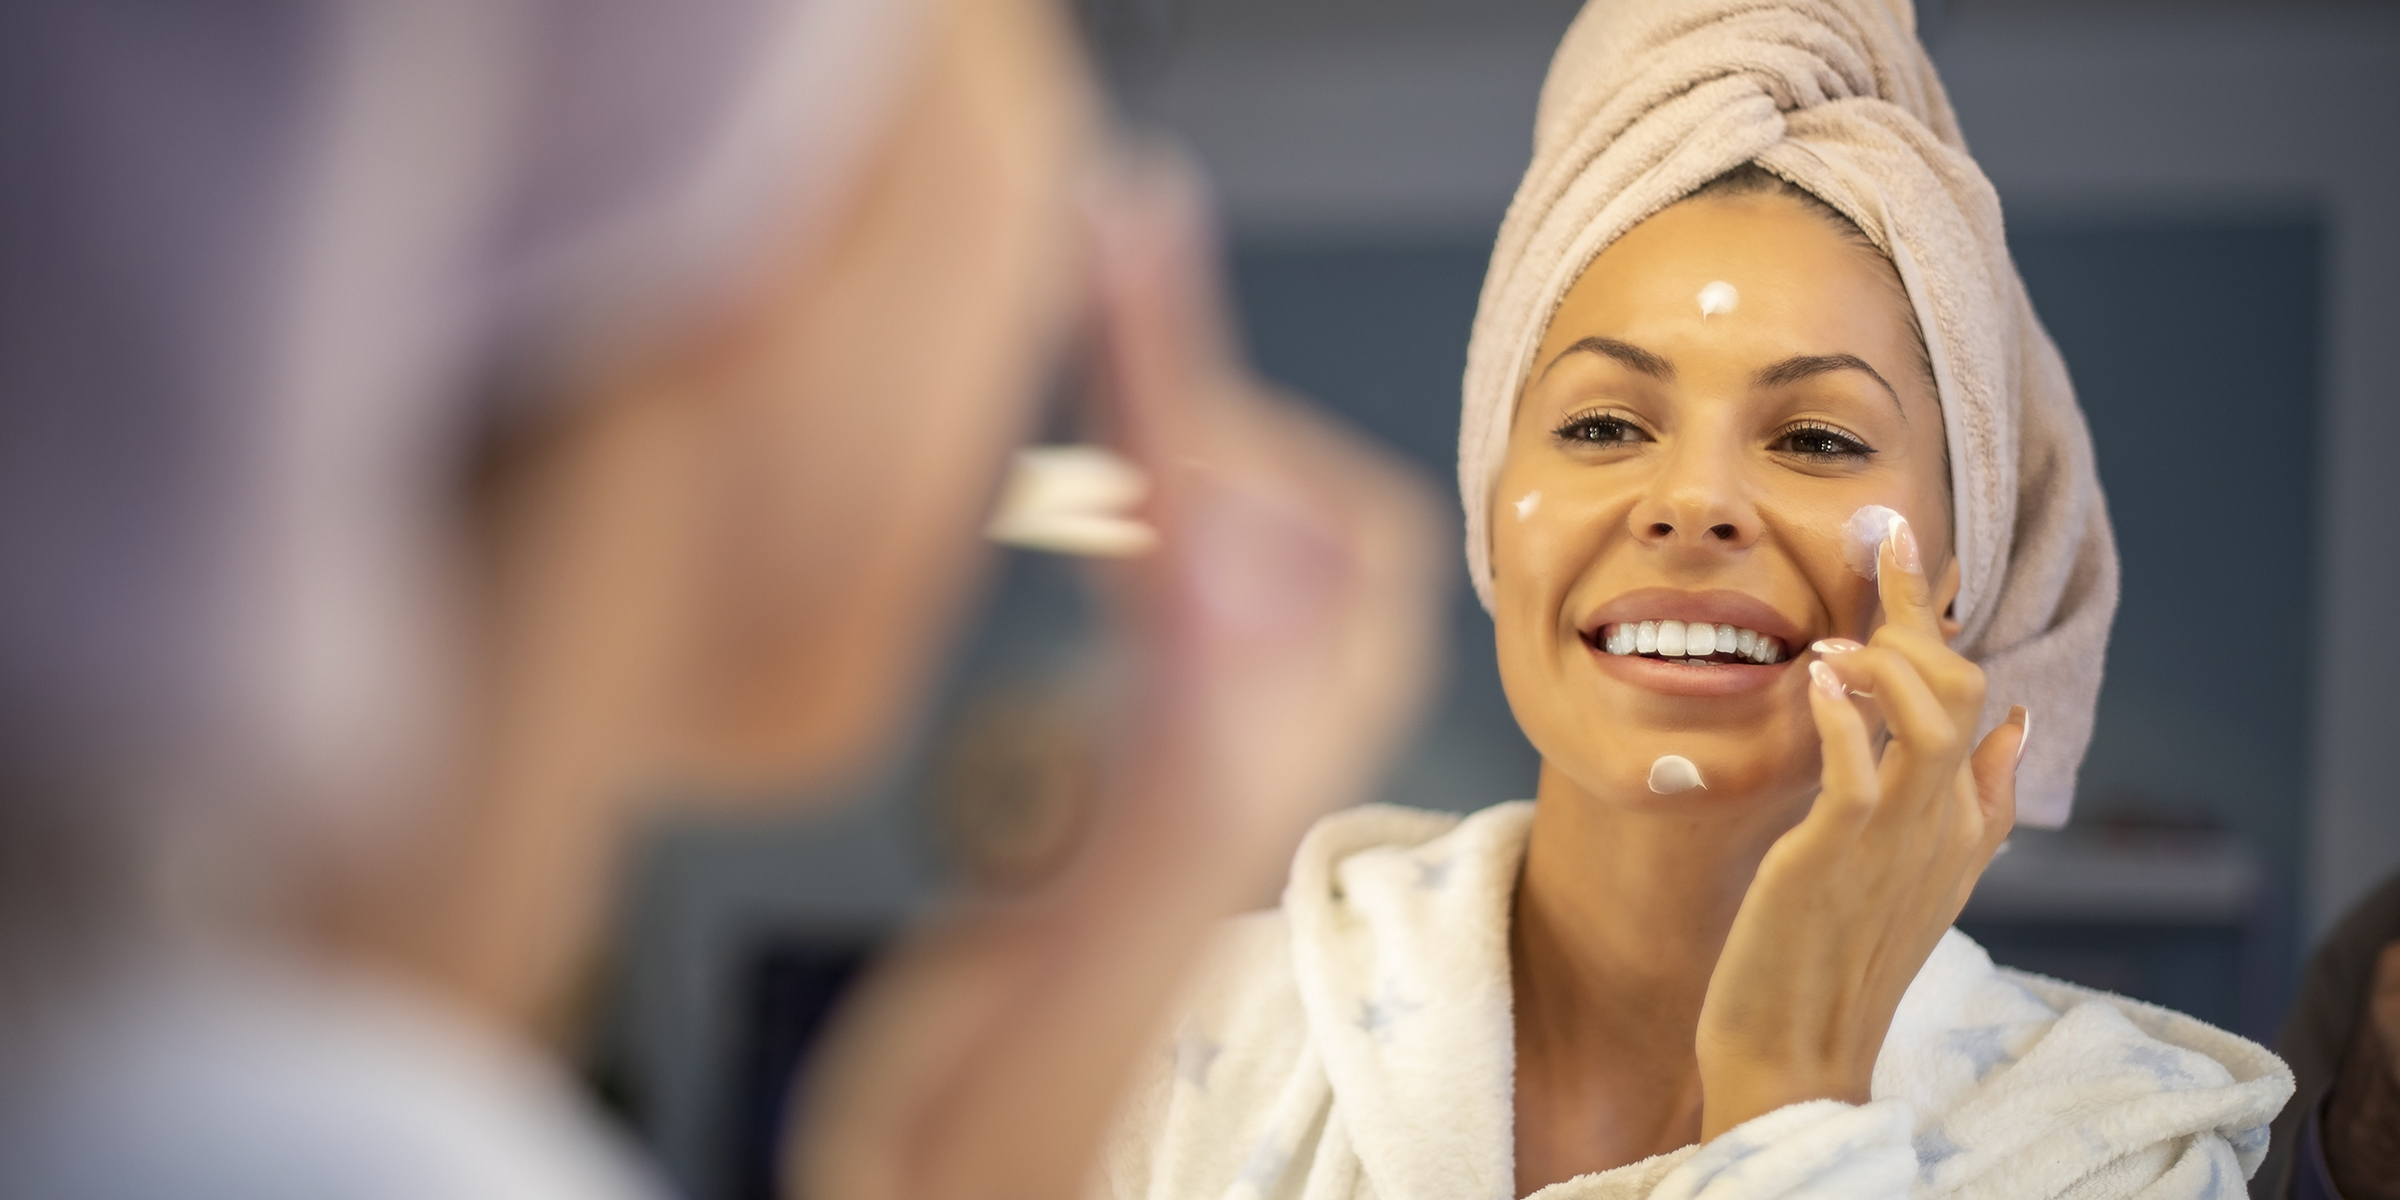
(1934, 1148)
(1986, 1046)
(2164, 1064)
(1263, 1169)
(1195, 1052)
(1378, 1015)
(1434, 876)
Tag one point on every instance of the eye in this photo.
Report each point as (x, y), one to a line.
(1822, 443)
(1599, 429)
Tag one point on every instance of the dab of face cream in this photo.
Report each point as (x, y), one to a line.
(1718, 297)
(1527, 504)
(1674, 773)
(1863, 535)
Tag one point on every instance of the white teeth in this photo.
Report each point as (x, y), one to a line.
(1700, 639)
(1678, 639)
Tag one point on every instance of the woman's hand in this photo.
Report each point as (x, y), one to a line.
(1280, 639)
(1848, 904)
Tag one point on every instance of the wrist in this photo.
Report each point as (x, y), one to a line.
(1734, 1097)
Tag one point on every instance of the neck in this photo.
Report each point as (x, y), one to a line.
(1619, 917)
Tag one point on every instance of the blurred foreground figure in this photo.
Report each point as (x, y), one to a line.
(432, 425)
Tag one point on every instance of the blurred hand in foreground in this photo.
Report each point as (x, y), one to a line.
(1282, 637)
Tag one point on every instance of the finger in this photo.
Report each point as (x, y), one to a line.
(1926, 747)
(1958, 682)
(1848, 787)
(1994, 766)
(1901, 583)
(1991, 788)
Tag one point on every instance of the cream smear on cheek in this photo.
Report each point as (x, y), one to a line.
(1674, 773)
(1527, 504)
(1863, 535)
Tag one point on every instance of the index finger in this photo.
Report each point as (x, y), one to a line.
(1900, 581)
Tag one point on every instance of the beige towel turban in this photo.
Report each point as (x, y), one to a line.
(1649, 99)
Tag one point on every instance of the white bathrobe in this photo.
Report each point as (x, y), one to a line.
(1358, 1043)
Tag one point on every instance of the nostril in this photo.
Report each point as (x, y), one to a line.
(1724, 532)
(1661, 529)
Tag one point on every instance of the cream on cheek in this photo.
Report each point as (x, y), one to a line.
(1863, 536)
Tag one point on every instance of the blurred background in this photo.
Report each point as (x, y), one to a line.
(2204, 199)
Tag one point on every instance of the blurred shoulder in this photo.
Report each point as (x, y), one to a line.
(286, 1084)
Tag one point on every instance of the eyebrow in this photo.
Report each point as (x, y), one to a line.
(1809, 366)
(1631, 356)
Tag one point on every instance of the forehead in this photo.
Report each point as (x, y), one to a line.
(1798, 285)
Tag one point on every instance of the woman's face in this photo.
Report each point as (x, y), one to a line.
(1717, 395)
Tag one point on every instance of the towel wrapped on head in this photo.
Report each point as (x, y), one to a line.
(1649, 100)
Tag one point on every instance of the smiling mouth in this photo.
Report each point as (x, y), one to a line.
(1695, 642)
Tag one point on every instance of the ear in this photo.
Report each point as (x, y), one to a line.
(1945, 599)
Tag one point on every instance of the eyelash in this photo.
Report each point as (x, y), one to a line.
(1844, 445)
(1827, 443)
(1581, 427)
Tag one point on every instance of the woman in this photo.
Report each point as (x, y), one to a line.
(1787, 524)
(435, 429)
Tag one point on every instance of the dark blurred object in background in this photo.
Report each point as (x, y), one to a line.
(2329, 1023)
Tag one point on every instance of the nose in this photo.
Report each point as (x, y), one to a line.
(1697, 501)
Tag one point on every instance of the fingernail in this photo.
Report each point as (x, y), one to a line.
(1823, 678)
(1835, 646)
(2024, 717)
(1904, 546)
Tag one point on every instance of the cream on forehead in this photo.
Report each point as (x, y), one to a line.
(1863, 534)
(1718, 296)
(1674, 773)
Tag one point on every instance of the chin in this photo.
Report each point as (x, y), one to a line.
(1738, 772)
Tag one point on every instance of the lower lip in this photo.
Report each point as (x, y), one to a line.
(1686, 679)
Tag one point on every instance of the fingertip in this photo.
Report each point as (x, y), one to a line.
(1822, 681)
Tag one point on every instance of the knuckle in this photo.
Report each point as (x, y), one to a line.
(1940, 735)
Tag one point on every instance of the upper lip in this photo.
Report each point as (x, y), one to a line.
(1716, 607)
